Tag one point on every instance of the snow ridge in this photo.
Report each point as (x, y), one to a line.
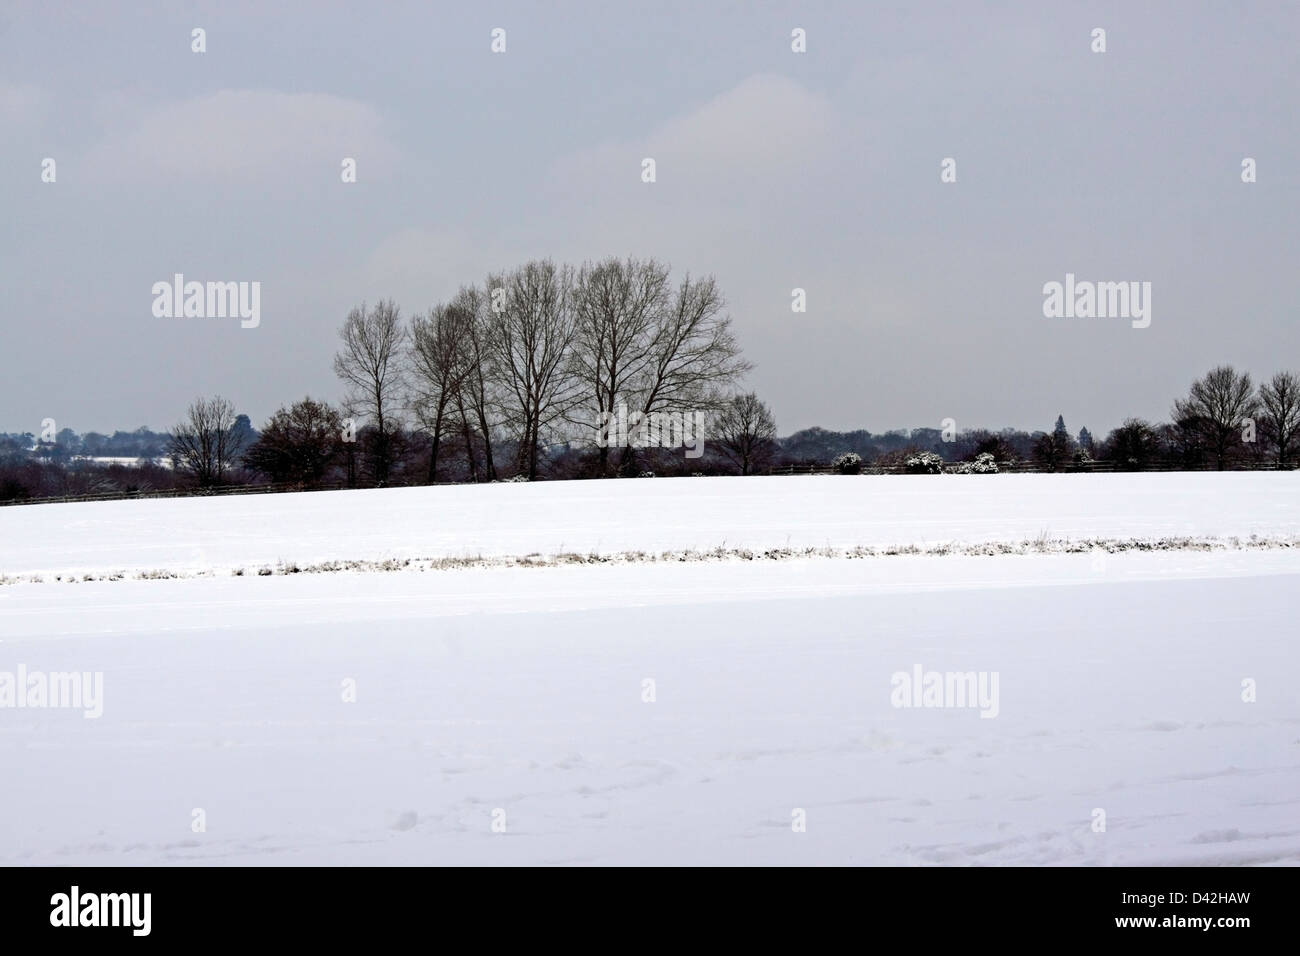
(1038, 546)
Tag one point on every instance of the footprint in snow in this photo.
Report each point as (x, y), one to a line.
(406, 821)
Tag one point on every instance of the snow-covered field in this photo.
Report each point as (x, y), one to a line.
(609, 517)
(518, 696)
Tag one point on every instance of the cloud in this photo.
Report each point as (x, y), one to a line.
(420, 266)
(770, 120)
(239, 136)
(757, 131)
(750, 156)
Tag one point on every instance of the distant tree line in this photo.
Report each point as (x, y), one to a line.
(507, 380)
(1224, 422)
(67, 444)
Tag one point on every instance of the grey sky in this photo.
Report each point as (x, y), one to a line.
(775, 170)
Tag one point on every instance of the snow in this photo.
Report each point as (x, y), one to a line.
(127, 460)
(521, 689)
(659, 514)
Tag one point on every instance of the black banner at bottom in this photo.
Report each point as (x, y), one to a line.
(369, 904)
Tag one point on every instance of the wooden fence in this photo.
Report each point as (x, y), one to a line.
(175, 493)
(1022, 467)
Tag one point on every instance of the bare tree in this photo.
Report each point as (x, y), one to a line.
(478, 390)
(350, 450)
(1279, 399)
(744, 431)
(692, 354)
(440, 364)
(1216, 408)
(299, 443)
(370, 365)
(531, 341)
(619, 304)
(1132, 446)
(206, 443)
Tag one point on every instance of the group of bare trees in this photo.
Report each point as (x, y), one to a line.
(537, 355)
(531, 359)
(1223, 422)
(509, 376)
(1225, 417)
(502, 376)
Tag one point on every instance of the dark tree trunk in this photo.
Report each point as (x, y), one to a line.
(433, 451)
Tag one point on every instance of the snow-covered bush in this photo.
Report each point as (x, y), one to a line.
(646, 474)
(982, 465)
(849, 463)
(924, 463)
(517, 478)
